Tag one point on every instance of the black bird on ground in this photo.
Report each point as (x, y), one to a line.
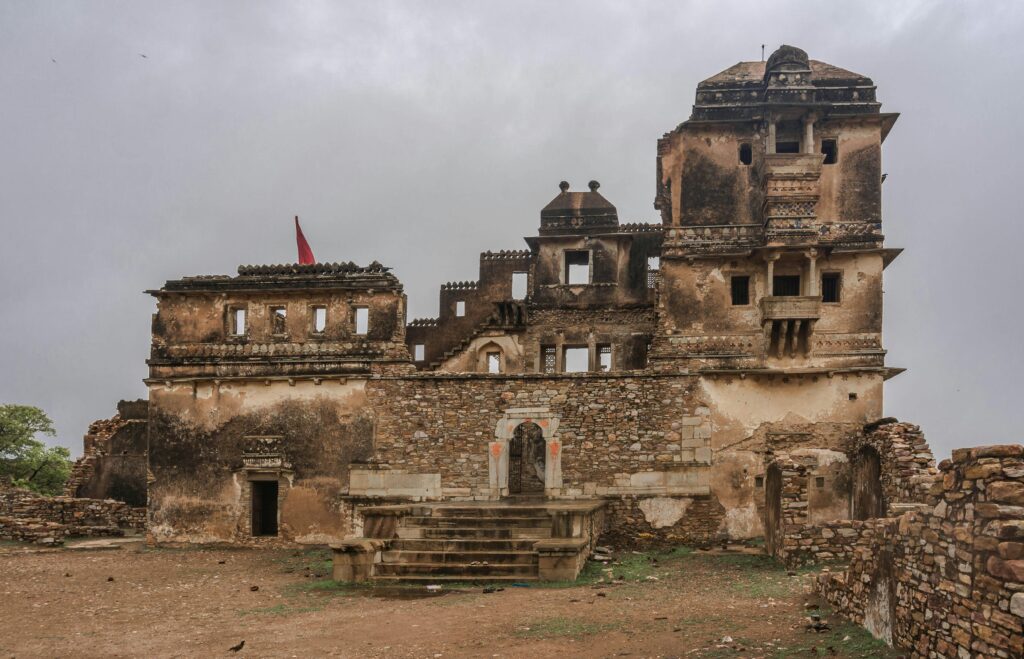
(236, 648)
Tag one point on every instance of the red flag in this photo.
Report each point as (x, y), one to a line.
(305, 253)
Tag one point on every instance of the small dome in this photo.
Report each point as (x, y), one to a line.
(787, 55)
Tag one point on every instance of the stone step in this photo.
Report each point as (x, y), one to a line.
(462, 545)
(465, 570)
(539, 512)
(475, 533)
(447, 578)
(491, 557)
(474, 522)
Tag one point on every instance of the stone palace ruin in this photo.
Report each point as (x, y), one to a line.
(716, 376)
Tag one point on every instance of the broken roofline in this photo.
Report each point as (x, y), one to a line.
(291, 276)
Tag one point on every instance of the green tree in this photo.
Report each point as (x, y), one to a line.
(27, 461)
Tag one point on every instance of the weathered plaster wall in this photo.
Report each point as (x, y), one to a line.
(198, 437)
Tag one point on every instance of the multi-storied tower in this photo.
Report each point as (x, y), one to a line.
(771, 195)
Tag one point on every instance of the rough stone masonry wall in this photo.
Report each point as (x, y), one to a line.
(617, 434)
(947, 581)
(908, 466)
(28, 517)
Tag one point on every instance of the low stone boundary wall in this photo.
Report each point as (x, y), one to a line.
(830, 542)
(29, 517)
(947, 580)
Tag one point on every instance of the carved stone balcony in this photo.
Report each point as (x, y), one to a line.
(791, 191)
(788, 323)
(790, 307)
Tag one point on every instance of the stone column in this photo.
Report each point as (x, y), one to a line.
(809, 133)
(812, 273)
(770, 147)
(769, 287)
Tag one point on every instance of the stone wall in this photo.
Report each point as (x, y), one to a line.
(113, 462)
(947, 580)
(28, 517)
(908, 466)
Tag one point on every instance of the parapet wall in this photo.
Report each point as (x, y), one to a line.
(946, 580)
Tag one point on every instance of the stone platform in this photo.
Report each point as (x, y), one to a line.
(517, 540)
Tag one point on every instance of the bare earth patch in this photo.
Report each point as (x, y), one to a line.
(201, 602)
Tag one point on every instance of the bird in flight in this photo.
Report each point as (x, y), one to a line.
(143, 56)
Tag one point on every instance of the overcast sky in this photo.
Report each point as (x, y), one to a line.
(143, 141)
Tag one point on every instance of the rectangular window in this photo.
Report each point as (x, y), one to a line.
(653, 265)
(758, 481)
(819, 481)
(831, 150)
(236, 319)
(319, 319)
(460, 308)
(362, 320)
(519, 281)
(494, 362)
(740, 285)
(746, 154)
(576, 359)
(278, 320)
(577, 268)
(787, 147)
(548, 359)
(830, 285)
(786, 285)
(604, 358)
(419, 352)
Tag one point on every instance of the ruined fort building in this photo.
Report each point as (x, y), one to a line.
(633, 379)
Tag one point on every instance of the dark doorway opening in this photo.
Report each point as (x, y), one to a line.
(526, 460)
(786, 285)
(773, 509)
(868, 499)
(264, 507)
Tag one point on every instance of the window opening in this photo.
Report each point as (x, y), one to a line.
(604, 358)
(238, 322)
(319, 319)
(786, 285)
(653, 265)
(549, 359)
(830, 287)
(419, 352)
(740, 285)
(278, 320)
(577, 268)
(852, 396)
(787, 147)
(576, 359)
(460, 308)
(519, 281)
(831, 150)
(494, 362)
(746, 154)
(362, 320)
(758, 481)
(819, 481)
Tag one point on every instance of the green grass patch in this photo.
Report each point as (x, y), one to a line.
(563, 628)
(860, 643)
(279, 610)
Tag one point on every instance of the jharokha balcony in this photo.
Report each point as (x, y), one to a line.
(788, 321)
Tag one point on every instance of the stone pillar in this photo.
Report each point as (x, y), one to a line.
(809, 133)
(812, 273)
(770, 147)
(769, 286)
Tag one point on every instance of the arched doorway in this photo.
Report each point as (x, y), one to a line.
(773, 509)
(868, 499)
(526, 459)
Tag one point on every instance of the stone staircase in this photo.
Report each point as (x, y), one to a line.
(458, 543)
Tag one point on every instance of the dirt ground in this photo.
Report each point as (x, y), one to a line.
(137, 602)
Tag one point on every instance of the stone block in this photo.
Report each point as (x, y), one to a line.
(1010, 492)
